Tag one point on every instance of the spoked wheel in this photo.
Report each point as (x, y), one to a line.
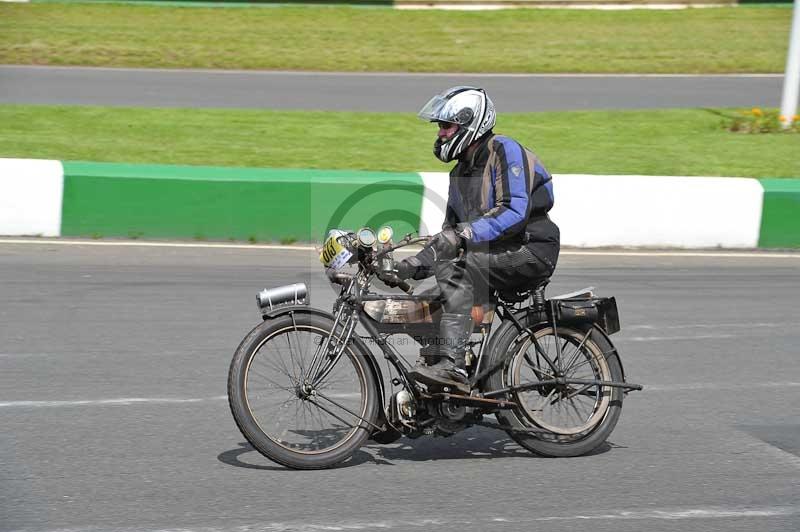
(557, 418)
(285, 410)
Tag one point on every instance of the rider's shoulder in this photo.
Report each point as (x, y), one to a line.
(496, 141)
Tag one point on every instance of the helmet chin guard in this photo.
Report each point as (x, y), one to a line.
(470, 108)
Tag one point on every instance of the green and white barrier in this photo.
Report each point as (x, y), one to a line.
(51, 198)
(30, 197)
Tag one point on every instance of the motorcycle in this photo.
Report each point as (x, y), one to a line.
(307, 391)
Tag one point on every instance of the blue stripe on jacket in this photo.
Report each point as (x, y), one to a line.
(514, 211)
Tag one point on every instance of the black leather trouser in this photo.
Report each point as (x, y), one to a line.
(472, 279)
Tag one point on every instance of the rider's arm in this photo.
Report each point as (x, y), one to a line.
(420, 266)
(512, 179)
(450, 215)
(450, 219)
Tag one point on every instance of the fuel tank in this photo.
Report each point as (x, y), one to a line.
(404, 312)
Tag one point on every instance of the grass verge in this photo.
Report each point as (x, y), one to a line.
(718, 40)
(662, 142)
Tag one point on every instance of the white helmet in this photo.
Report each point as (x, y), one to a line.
(470, 108)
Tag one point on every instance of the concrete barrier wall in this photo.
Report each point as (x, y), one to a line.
(653, 211)
(780, 222)
(30, 197)
(159, 201)
(50, 198)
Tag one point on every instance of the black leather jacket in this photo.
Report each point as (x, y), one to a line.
(499, 196)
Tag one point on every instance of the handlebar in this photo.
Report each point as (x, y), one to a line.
(339, 278)
(405, 287)
(386, 275)
(344, 278)
(403, 243)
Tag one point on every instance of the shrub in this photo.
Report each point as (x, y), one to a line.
(758, 120)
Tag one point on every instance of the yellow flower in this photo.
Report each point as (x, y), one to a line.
(795, 118)
(782, 118)
(757, 112)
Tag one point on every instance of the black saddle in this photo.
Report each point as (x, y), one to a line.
(518, 295)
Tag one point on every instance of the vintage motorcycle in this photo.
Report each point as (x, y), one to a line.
(307, 391)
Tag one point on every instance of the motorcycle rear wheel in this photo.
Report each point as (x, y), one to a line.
(288, 423)
(572, 419)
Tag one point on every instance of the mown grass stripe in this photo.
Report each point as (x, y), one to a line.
(652, 142)
(360, 39)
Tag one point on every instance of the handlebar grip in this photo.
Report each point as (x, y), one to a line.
(340, 278)
(405, 287)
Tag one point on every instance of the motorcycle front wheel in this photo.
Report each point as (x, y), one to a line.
(282, 412)
(558, 420)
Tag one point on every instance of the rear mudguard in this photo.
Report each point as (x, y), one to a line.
(522, 317)
(372, 362)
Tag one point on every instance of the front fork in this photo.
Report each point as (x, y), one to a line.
(329, 352)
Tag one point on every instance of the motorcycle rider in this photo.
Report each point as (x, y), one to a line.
(496, 225)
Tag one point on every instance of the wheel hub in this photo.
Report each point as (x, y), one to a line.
(304, 391)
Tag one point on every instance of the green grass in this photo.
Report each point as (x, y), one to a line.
(357, 39)
(663, 142)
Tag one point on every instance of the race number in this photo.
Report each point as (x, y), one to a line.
(334, 255)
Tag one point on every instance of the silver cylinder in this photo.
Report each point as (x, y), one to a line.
(291, 294)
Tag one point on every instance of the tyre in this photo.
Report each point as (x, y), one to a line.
(287, 420)
(560, 419)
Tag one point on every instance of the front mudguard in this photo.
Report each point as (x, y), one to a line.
(280, 311)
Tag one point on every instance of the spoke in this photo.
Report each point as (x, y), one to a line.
(578, 350)
(543, 401)
(332, 414)
(577, 413)
(328, 367)
(581, 391)
(587, 361)
(308, 409)
(560, 353)
(291, 358)
(327, 382)
(592, 371)
(270, 362)
(323, 396)
(300, 405)
(263, 390)
(287, 401)
(314, 360)
(291, 398)
(320, 421)
(279, 362)
(536, 368)
(297, 341)
(257, 374)
(541, 351)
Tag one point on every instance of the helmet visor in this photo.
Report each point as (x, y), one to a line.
(443, 109)
(432, 111)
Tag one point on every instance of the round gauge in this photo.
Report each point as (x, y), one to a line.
(366, 237)
(385, 234)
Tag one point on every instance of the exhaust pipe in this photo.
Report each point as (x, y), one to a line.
(293, 294)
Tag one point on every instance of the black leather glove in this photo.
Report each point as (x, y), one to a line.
(391, 280)
(406, 268)
(447, 244)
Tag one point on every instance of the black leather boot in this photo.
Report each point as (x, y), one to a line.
(450, 369)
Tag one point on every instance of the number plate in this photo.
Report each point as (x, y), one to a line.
(334, 255)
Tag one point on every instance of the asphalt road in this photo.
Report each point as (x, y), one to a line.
(374, 92)
(113, 371)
